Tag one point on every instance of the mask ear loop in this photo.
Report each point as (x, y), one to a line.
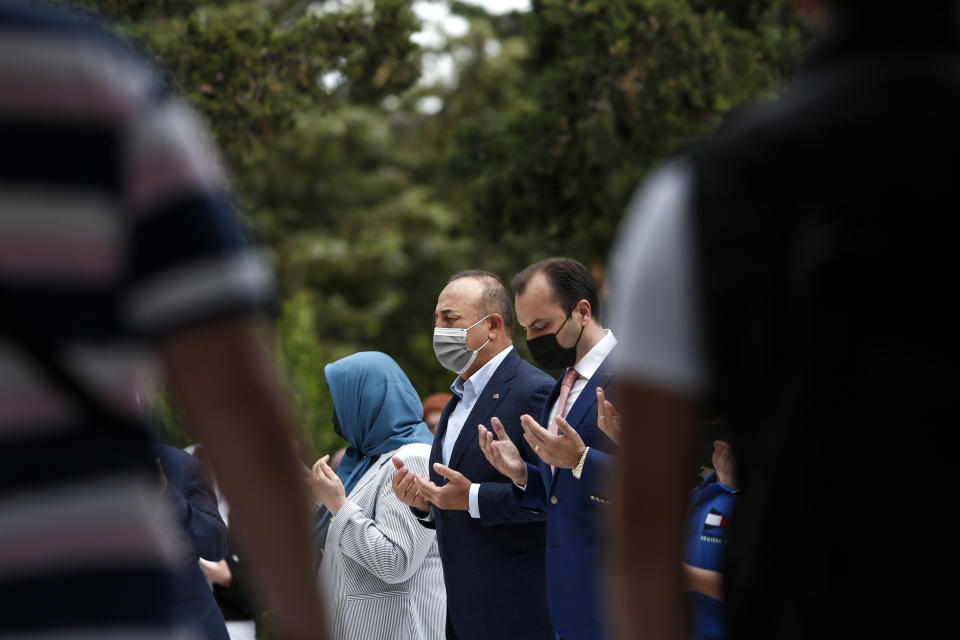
(477, 350)
(478, 322)
(569, 315)
(578, 337)
(563, 324)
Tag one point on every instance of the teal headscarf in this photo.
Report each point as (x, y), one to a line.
(378, 410)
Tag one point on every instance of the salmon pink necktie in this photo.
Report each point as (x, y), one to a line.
(566, 386)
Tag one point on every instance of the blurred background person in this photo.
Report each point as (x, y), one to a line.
(119, 247)
(229, 577)
(790, 273)
(229, 582)
(711, 508)
(433, 408)
(198, 451)
(381, 570)
(187, 486)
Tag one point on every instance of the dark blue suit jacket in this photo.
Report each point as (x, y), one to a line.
(493, 566)
(205, 536)
(577, 512)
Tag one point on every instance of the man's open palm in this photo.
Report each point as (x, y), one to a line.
(502, 453)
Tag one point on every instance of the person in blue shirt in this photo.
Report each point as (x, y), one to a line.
(711, 507)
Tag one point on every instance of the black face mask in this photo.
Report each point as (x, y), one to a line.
(549, 354)
(336, 426)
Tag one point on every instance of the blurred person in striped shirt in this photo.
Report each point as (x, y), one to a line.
(120, 256)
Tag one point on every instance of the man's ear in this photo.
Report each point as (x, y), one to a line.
(583, 306)
(496, 322)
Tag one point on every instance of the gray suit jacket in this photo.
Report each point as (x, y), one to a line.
(381, 573)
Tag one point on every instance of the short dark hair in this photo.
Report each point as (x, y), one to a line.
(569, 280)
(495, 297)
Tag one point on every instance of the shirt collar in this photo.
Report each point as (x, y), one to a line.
(476, 383)
(591, 360)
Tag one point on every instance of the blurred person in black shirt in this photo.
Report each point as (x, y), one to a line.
(794, 274)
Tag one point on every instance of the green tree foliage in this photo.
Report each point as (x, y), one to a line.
(304, 356)
(368, 202)
(292, 97)
(609, 89)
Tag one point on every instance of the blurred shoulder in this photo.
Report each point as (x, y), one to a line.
(43, 16)
(78, 51)
(172, 455)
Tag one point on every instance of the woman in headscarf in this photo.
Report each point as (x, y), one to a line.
(380, 574)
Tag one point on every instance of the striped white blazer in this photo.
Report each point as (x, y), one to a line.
(381, 574)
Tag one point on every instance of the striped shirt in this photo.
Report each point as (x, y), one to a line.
(381, 572)
(115, 231)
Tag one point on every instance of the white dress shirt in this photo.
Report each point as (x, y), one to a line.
(468, 391)
(586, 367)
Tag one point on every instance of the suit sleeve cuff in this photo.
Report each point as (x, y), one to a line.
(596, 465)
(475, 500)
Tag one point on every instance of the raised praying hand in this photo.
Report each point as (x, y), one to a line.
(562, 449)
(405, 486)
(502, 453)
(326, 486)
(608, 418)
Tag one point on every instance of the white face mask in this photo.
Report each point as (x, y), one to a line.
(451, 348)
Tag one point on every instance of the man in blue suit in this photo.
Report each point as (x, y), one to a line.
(557, 304)
(190, 492)
(482, 532)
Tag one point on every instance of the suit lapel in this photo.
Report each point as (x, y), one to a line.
(442, 423)
(554, 394)
(436, 451)
(545, 423)
(587, 401)
(490, 397)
